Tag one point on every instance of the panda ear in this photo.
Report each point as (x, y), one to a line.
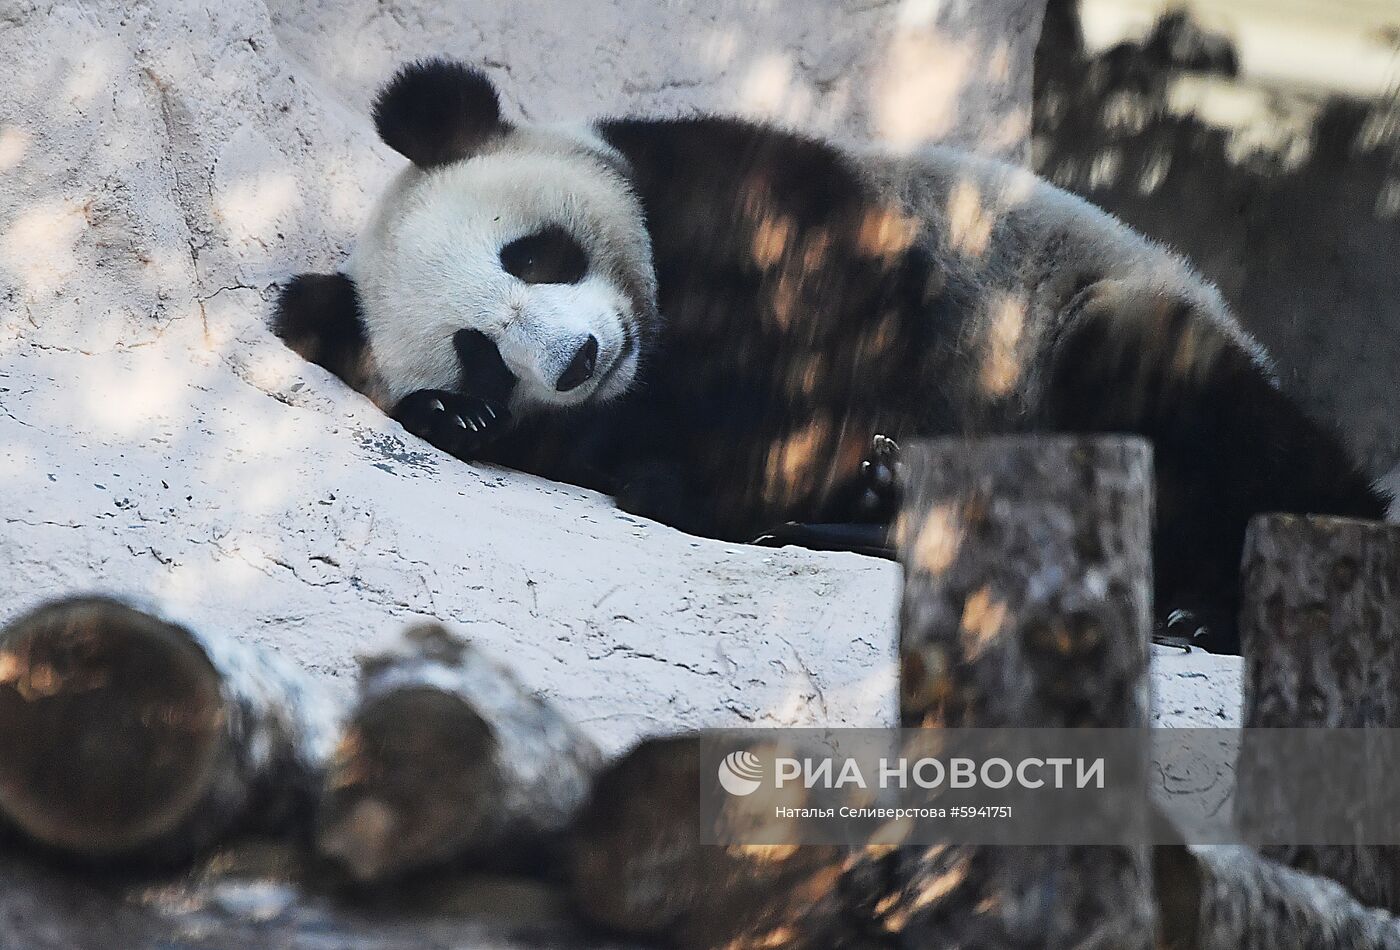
(318, 316)
(436, 111)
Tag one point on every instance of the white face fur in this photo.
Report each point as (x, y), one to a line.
(430, 264)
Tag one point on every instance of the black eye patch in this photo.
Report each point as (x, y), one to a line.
(549, 256)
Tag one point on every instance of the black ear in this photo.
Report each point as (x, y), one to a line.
(318, 316)
(436, 111)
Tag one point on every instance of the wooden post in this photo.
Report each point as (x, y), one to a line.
(1027, 603)
(1320, 626)
(126, 736)
(448, 757)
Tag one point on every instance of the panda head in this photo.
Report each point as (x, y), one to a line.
(523, 239)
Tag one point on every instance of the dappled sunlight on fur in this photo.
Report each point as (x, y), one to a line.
(1004, 361)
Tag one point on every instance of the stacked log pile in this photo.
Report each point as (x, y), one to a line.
(130, 740)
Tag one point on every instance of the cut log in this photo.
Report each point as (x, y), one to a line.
(1320, 627)
(123, 735)
(638, 865)
(1027, 603)
(447, 757)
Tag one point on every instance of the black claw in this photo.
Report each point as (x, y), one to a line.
(878, 495)
(456, 423)
(1202, 625)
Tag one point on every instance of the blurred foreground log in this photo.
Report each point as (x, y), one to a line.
(448, 757)
(1232, 898)
(1321, 634)
(239, 899)
(126, 736)
(638, 864)
(1027, 604)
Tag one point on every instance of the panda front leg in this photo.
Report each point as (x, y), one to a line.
(1228, 443)
(464, 423)
(867, 506)
(856, 519)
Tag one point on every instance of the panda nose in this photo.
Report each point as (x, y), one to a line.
(580, 368)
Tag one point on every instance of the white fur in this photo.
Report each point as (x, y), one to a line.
(428, 265)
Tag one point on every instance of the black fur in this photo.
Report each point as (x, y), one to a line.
(318, 316)
(756, 351)
(549, 256)
(484, 374)
(458, 423)
(730, 441)
(436, 111)
(1228, 443)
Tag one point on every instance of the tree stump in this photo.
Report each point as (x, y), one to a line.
(1320, 625)
(123, 735)
(1027, 603)
(447, 757)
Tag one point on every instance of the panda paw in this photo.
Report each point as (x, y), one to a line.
(460, 425)
(879, 496)
(1206, 628)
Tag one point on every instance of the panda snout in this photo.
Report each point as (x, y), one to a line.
(581, 367)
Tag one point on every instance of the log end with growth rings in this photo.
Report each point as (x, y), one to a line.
(110, 726)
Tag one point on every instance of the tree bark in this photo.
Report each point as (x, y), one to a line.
(1320, 624)
(638, 865)
(1232, 898)
(125, 736)
(1027, 603)
(447, 757)
(1318, 627)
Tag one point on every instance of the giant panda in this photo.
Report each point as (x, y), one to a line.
(713, 320)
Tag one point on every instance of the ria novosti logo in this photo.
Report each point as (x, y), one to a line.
(740, 773)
